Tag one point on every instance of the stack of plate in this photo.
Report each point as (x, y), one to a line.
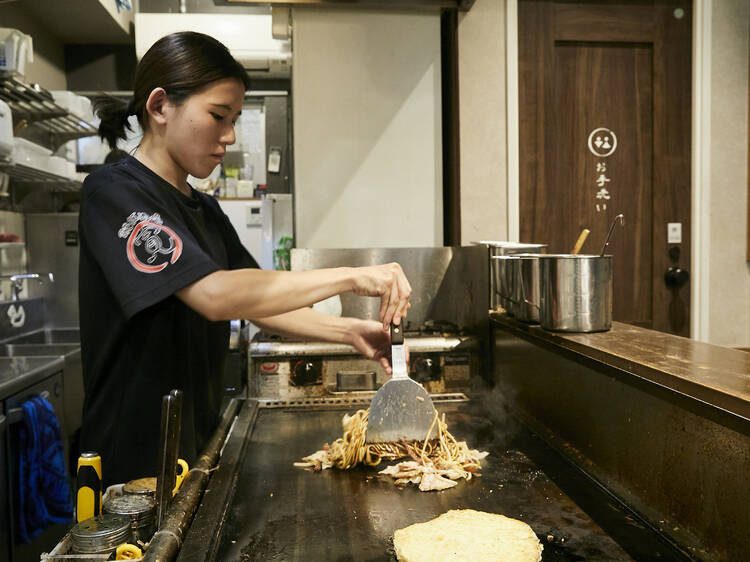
(100, 534)
(140, 509)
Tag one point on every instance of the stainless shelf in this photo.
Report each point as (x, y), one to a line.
(53, 133)
(26, 175)
(38, 118)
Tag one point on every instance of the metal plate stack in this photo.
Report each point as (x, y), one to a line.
(140, 509)
(100, 534)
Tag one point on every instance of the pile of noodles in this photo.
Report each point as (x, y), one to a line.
(441, 455)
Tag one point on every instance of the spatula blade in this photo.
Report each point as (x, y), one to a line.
(400, 411)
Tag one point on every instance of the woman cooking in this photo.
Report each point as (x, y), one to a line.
(162, 271)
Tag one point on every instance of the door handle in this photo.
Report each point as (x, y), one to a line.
(15, 415)
(676, 277)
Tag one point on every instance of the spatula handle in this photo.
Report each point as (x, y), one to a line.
(397, 335)
(398, 353)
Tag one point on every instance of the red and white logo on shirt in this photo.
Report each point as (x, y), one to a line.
(151, 246)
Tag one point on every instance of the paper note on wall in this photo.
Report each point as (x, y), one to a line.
(252, 130)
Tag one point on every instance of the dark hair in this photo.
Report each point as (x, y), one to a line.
(182, 63)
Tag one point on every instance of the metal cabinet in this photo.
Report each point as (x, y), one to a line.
(5, 501)
(53, 390)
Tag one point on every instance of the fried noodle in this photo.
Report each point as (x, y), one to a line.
(440, 456)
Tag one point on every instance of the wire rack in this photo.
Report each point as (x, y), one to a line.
(22, 174)
(38, 118)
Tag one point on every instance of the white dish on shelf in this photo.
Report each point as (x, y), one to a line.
(6, 130)
(58, 166)
(30, 154)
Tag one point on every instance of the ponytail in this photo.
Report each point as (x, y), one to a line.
(114, 114)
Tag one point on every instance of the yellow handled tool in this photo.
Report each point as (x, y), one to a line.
(127, 551)
(580, 241)
(181, 474)
(88, 486)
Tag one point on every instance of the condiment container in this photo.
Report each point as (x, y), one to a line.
(141, 487)
(140, 509)
(100, 534)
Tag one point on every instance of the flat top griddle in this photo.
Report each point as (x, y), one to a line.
(277, 512)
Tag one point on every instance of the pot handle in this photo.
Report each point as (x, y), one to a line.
(501, 292)
(523, 292)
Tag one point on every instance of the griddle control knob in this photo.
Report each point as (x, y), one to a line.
(425, 369)
(305, 373)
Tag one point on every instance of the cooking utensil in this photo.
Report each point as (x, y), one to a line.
(619, 217)
(169, 442)
(576, 292)
(500, 290)
(525, 287)
(402, 409)
(503, 281)
(181, 474)
(581, 239)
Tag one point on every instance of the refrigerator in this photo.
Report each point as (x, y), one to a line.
(262, 224)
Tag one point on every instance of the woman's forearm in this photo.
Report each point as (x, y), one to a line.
(256, 293)
(308, 324)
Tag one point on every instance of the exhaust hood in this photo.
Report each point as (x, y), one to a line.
(249, 37)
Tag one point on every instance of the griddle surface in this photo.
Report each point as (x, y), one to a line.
(279, 512)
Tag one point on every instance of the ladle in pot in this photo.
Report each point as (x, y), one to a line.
(619, 217)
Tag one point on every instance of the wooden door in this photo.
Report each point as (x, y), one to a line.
(604, 92)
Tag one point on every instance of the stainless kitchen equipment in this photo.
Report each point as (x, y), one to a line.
(441, 359)
(141, 487)
(100, 534)
(498, 274)
(575, 292)
(140, 509)
(525, 286)
(402, 409)
(22, 378)
(619, 218)
(52, 245)
(444, 329)
(502, 283)
(169, 443)
(263, 508)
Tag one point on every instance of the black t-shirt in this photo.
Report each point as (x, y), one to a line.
(141, 241)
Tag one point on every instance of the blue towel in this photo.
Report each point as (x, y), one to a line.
(44, 488)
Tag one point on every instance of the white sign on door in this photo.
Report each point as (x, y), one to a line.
(602, 142)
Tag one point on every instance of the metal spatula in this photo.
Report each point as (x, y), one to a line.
(401, 410)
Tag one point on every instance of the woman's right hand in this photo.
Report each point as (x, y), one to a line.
(390, 284)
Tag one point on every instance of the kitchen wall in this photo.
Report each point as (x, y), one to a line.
(482, 114)
(48, 68)
(729, 274)
(367, 129)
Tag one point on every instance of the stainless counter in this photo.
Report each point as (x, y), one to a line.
(17, 373)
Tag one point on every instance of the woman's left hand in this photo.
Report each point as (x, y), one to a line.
(372, 341)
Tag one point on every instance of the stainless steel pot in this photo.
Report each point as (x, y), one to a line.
(525, 286)
(575, 292)
(501, 282)
(499, 276)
